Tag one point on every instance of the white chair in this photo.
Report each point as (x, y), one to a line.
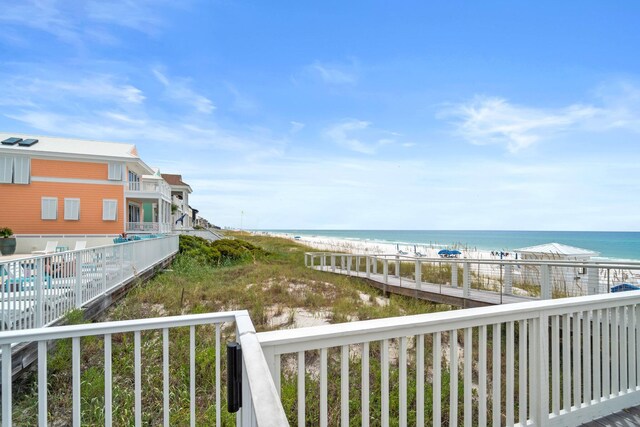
(80, 244)
(49, 249)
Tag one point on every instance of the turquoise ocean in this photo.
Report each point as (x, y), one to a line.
(612, 245)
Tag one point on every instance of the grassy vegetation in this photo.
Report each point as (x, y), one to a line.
(264, 275)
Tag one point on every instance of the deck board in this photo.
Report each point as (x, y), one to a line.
(628, 417)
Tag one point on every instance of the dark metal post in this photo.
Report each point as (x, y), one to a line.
(234, 377)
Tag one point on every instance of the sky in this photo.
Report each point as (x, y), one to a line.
(491, 115)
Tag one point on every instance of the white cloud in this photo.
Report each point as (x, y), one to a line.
(179, 90)
(332, 73)
(341, 135)
(494, 120)
(295, 127)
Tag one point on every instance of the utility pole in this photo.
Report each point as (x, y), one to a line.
(241, 218)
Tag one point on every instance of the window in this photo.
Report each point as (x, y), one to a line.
(115, 171)
(109, 210)
(15, 170)
(71, 209)
(49, 208)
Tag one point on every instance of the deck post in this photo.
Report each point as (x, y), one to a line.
(508, 278)
(312, 260)
(343, 262)
(418, 274)
(466, 276)
(385, 270)
(593, 281)
(322, 261)
(349, 265)
(375, 265)
(397, 266)
(306, 264)
(454, 274)
(545, 281)
(333, 263)
(368, 265)
(540, 381)
(357, 265)
(40, 293)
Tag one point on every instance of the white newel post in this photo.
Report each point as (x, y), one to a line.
(357, 265)
(349, 265)
(397, 266)
(593, 280)
(79, 269)
(333, 263)
(418, 274)
(454, 274)
(306, 264)
(322, 261)
(508, 279)
(375, 265)
(385, 270)
(540, 381)
(545, 281)
(466, 279)
(368, 266)
(343, 262)
(312, 259)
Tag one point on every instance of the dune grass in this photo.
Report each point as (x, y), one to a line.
(266, 276)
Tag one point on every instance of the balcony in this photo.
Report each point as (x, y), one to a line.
(148, 188)
(148, 227)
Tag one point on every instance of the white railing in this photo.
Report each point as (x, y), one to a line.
(148, 227)
(150, 186)
(532, 279)
(200, 356)
(558, 363)
(39, 290)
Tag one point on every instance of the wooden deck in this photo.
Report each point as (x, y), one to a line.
(628, 417)
(445, 294)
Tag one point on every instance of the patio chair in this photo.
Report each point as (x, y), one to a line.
(14, 278)
(80, 244)
(49, 249)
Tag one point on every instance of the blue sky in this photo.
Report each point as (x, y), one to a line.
(333, 114)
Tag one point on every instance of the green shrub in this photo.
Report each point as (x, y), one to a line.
(219, 251)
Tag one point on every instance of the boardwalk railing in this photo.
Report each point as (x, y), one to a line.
(533, 279)
(39, 290)
(557, 363)
(261, 404)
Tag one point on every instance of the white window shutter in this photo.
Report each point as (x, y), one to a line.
(109, 210)
(6, 169)
(49, 208)
(72, 209)
(22, 170)
(115, 171)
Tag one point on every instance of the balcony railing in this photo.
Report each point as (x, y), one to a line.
(148, 227)
(545, 363)
(39, 290)
(149, 186)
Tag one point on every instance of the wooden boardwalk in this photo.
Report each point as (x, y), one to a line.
(445, 294)
(624, 418)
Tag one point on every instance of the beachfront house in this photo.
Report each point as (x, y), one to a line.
(570, 279)
(71, 188)
(182, 213)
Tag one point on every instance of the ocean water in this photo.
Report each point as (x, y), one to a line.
(613, 245)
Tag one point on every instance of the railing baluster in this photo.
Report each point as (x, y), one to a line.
(482, 376)
(6, 386)
(75, 357)
(402, 392)
(615, 357)
(301, 389)
(365, 384)
(324, 413)
(623, 350)
(138, 378)
(344, 385)
(165, 376)
(597, 390)
(42, 383)
(631, 327)
(467, 375)
(586, 357)
(606, 355)
(108, 382)
(218, 382)
(522, 371)
(420, 380)
(453, 377)
(509, 373)
(384, 383)
(496, 378)
(555, 365)
(577, 378)
(437, 378)
(192, 375)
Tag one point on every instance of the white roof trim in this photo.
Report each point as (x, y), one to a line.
(557, 249)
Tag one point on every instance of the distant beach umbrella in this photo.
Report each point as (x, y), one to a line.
(455, 252)
(444, 252)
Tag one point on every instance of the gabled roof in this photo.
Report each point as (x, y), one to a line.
(49, 145)
(557, 249)
(175, 180)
